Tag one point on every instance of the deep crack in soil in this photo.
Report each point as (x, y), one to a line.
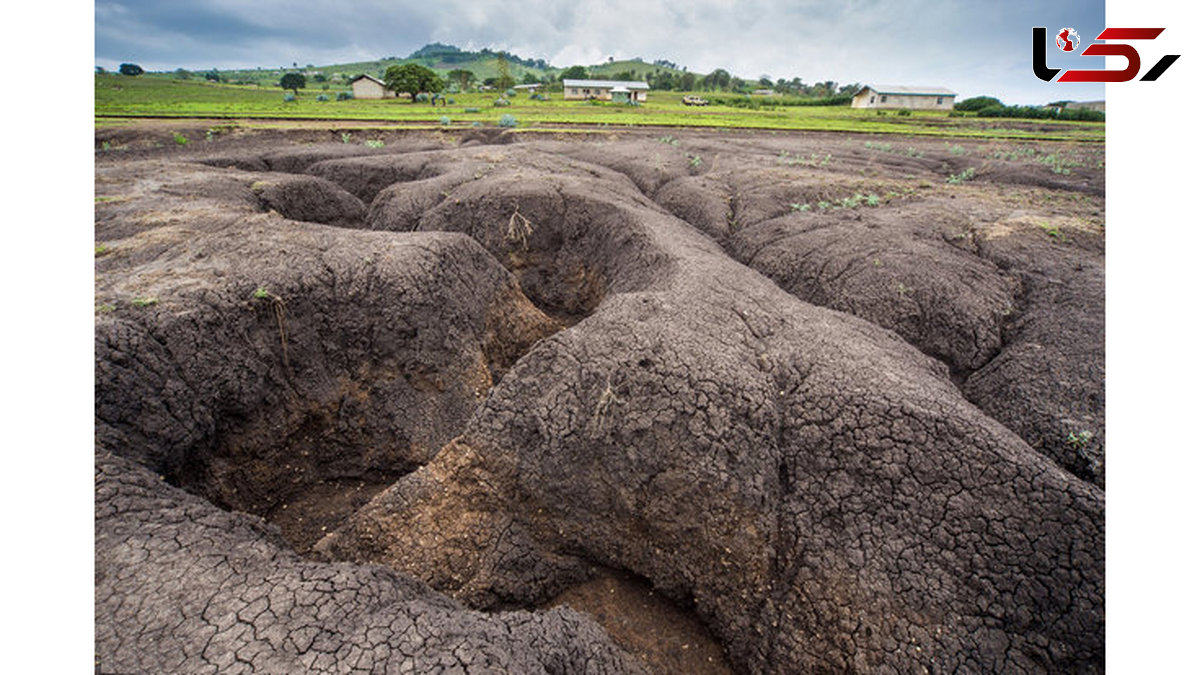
(810, 403)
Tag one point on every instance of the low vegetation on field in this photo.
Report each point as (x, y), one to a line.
(121, 96)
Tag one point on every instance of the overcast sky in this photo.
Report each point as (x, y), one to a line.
(973, 47)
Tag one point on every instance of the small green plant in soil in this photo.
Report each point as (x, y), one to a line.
(144, 302)
(105, 308)
(180, 139)
(695, 160)
(1078, 440)
(373, 143)
(960, 178)
(102, 249)
(1051, 230)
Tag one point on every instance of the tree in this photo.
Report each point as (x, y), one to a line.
(212, 75)
(183, 74)
(293, 81)
(463, 77)
(574, 73)
(131, 69)
(504, 80)
(413, 79)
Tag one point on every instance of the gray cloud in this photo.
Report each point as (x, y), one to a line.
(973, 47)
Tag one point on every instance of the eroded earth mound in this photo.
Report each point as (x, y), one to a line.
(812, 403)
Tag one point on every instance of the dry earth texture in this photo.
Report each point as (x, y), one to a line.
(498, 402)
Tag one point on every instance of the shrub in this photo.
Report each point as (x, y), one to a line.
(322, 98)
(444, 121)
(510, 92)
(449, 101)
(289, 98)
(507, 120)
(131, 69)
(470, 110)
(422, 98)
(904, 112)
(977, 103)
(500, 102)
(344, 96)
(1035, 112)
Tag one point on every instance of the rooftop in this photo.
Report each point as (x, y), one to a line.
(902, 89)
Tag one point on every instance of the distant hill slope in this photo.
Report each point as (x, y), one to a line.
(439, 57)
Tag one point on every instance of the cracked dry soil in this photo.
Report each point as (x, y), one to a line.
(571, 403)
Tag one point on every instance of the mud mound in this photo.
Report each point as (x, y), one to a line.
(298, 355)
(892, 269)
(184, 587)
(366, 177)
(312, 199)
(554, 374)
(686, 431)
(1048, 383)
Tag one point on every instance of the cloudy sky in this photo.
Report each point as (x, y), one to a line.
(974, 47)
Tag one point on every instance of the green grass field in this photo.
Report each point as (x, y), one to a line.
(117, 96)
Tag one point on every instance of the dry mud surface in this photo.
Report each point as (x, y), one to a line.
(596, 404)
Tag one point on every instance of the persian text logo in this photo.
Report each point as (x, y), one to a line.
(1068, 41)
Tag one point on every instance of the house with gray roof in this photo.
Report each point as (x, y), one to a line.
(605, 90)
(903, 96)
(365, 86)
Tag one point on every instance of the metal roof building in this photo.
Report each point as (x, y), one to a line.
(903, 96)
(604, 89)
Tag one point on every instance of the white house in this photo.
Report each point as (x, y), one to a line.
(605, 90)
(365, 86)
(903, 96)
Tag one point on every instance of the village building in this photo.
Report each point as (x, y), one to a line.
(902, 96)
(605, 90)
(365, 86)
(528, 87)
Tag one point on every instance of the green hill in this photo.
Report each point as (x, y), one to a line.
(439, 57)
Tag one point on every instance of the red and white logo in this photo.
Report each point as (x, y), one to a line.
(1067, 39)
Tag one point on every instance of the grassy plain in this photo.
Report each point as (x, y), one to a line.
(119, 96)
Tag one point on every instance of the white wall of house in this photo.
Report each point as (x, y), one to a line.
(364, 88)
(869, 98)
(579, 93)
